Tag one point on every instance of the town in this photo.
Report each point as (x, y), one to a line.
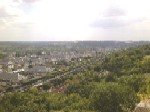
(32, 61)
(64, 72)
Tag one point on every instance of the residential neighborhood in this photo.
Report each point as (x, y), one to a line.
(37, 60)
(21, 66)
(75, 71)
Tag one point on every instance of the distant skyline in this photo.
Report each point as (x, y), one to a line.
(71, 20)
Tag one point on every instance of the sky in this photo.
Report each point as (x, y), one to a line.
(74, 20)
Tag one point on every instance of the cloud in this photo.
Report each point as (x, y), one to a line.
(5, 14)
(114, 17)
(25, 25)
(114, 11)
(115, 22)
(25, 1)
(3, 24)
(30, 1)
(109, 23)
(10, 14)
(18, 1)
(5, 17)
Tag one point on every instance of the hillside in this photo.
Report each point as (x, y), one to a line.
(116, 83)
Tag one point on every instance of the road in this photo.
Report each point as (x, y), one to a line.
(40, 82)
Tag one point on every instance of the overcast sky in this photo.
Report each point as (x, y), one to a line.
(52, 20)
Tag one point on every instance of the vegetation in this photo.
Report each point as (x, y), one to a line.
(113, 84)
(100, 99)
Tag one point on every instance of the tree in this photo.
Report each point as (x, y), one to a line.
(134, 81)
(111, 97)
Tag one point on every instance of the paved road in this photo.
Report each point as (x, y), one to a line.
(40, 81)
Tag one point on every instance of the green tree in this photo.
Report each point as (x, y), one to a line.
(111, 97)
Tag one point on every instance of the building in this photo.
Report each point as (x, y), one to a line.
(10, 78)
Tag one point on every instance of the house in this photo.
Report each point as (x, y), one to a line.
(1, 70)
(3, 64)
(43, 53)
(2, 89)
(33, 56)
(10, 78)
(10, 65)
(57, 89)
(20, 70)
(37, 69)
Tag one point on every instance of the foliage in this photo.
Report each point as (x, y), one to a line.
(110, 85)
(129, 61)
(111, 97)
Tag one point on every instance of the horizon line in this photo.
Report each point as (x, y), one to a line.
(70, 40)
